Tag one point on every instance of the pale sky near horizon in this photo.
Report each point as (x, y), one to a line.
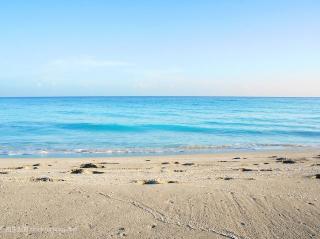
(161, 47)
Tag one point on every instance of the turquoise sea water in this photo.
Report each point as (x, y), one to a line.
(85, 126)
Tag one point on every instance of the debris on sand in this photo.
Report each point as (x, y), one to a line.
(188, 164)
(281, 159)
(148, 181)
(108, 163)
(154, 181)
(97, 172)
(21, 167)
(225, 178)
(165, 163)
(285, 160)
(179, 171)
(288, 161)
(76, 171)
(41, 179)
(247, 169)
(172, 181)
(236, 158)
(151, 181)
(88, 165)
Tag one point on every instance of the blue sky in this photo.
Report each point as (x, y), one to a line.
(161, 47)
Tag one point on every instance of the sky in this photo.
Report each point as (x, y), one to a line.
(160, 47)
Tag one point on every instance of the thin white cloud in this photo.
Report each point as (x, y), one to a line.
(86, 62)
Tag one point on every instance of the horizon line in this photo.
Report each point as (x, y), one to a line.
(160, 96)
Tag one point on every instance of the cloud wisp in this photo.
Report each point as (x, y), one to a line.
(86, 62)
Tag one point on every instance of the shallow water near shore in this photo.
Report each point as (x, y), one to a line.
(82, 126)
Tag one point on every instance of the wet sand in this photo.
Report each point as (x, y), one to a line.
(231, 195)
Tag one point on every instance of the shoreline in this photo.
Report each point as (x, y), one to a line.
(291, 150)
(296, 149)
(229, 195)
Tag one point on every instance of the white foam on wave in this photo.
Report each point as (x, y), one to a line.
(134, 151)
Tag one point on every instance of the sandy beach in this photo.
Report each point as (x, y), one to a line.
(231, 195)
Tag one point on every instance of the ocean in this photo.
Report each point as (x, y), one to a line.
(112, 126)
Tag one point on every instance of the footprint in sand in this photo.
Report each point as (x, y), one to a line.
(315, 176)
(315, 164)
(121, 232)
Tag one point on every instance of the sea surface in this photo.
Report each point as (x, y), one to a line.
(102, 126)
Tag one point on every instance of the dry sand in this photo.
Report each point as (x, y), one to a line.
(185, 196)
